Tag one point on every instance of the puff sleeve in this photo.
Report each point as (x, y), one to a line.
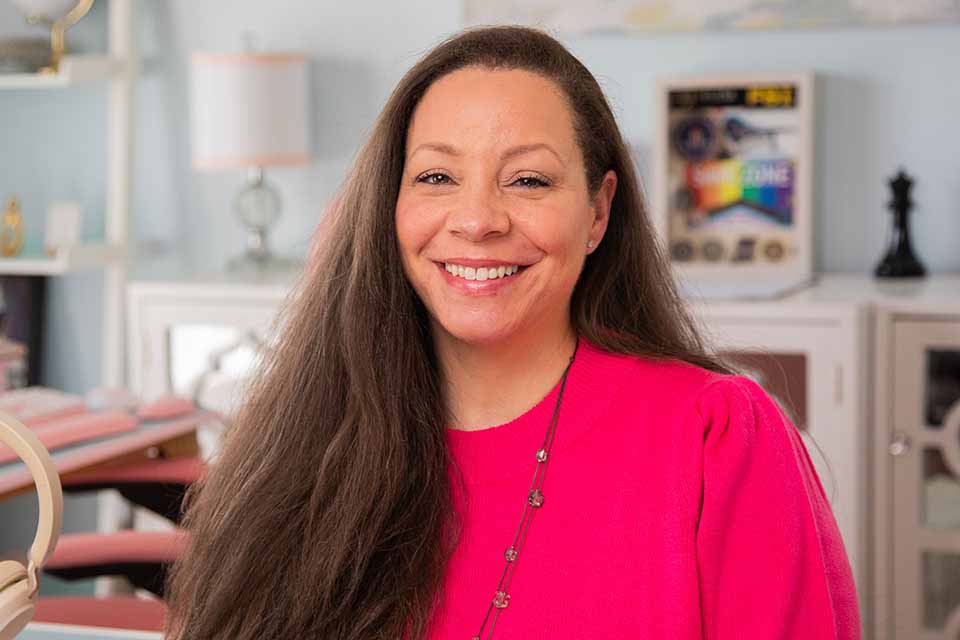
(771, 561)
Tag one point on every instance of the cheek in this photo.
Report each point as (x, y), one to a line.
(558, 232)
(413, 229)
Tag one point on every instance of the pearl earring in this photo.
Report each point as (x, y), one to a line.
(590, 244)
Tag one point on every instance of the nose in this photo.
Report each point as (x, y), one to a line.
(478, 215)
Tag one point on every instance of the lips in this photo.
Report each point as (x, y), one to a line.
(478, 287)
(476, 263)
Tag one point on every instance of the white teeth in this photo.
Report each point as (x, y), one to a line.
(482, 273)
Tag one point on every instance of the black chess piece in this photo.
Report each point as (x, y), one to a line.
(899, 261)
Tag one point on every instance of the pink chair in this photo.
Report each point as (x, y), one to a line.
(157, 484)
(120, 612)
(140, 556)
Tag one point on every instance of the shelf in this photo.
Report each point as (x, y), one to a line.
(66, 261)
(74, 70)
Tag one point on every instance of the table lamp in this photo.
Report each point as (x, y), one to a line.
(249, 110)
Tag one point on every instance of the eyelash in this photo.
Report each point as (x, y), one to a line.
(541, 181)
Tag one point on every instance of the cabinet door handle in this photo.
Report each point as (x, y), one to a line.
(900, 444)
(838, 383)
(146, 356)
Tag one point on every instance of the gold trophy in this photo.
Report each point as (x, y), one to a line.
(11, 229)
(60, 15)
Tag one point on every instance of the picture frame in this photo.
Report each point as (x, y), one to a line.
(62, 227)
(733, 193)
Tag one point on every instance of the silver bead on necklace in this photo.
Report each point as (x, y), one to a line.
(534, 501)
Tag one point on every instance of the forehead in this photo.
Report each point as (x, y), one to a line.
(484, 108)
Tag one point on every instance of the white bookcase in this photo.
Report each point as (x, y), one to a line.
(119, 70)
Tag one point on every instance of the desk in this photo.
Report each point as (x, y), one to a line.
(169, 438)
(46, 631)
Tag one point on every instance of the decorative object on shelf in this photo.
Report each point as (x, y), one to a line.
(732, 182)
(23, 318)
(250, 110)
(63, 227)
(23, 54)
(60, 15)
(13, 364)
(900, 261)
(11, 229)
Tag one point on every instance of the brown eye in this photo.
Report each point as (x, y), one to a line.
(531, 182)
(434, 178)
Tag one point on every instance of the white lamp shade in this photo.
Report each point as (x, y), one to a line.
(249, 109)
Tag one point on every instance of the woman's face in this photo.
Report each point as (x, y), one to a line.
(494, 181)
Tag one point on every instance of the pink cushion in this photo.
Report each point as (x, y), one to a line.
(74, 410)
(87, 549)
(158, 470)
(71, 430)
(166, 408)
(117, 612)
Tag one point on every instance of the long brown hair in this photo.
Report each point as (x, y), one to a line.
(326, 514)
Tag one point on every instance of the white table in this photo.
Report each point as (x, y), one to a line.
(47, 631)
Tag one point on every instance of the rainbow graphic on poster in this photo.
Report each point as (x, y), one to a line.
(765, 185)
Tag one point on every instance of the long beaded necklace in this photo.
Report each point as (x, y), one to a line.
(534, 501)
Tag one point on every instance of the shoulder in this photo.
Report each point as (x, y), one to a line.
(671, 389)
(691, 393)
(737, 403)
(675, 382)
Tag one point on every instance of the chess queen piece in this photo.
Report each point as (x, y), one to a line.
(899, 261)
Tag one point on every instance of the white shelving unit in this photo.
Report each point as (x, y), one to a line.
(118, 69)
(65, 261)
(74, 70)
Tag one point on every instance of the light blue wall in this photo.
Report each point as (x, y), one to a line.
(887, 97)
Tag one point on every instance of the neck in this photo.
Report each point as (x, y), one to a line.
(491, 384)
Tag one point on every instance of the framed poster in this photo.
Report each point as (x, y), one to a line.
(732, 181)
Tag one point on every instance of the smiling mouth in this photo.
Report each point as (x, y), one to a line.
(481, 274)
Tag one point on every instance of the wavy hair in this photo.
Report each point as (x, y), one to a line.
(328, 512)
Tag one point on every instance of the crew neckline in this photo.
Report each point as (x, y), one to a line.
(498, 451)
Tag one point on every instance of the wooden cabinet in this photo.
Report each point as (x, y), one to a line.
(809, 354)
(200, 336)
(917, 476)
(194, 336)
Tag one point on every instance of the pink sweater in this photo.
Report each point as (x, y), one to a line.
(678, 504)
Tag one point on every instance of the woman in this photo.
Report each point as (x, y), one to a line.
(489, 304)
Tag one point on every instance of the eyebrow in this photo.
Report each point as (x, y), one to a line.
(509, 153)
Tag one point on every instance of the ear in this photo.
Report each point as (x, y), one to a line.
(600, 203)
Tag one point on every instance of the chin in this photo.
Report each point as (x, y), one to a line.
(477, 332)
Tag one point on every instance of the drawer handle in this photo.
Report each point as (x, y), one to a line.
(900, 444)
